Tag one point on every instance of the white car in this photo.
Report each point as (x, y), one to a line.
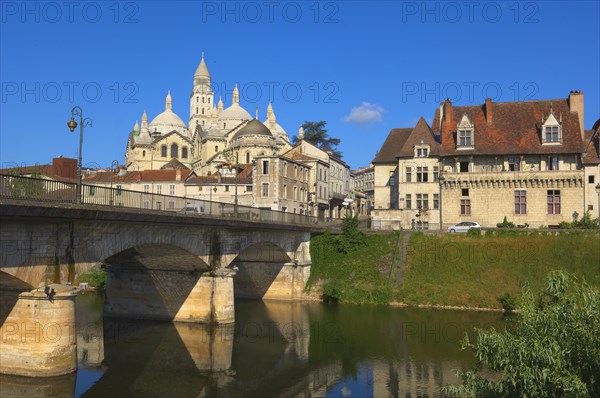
(463, 226)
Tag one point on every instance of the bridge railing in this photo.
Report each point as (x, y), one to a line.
(45, 190)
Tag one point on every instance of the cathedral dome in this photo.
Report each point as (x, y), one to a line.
(279, 131)
(234, 112)
(168, 120)
(254, 127)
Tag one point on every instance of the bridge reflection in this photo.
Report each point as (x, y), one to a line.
(274, 349)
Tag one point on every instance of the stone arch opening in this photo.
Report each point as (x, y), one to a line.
(260, 271)
(152, 281)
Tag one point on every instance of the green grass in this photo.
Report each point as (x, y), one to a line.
(458, 270)
(476, 271)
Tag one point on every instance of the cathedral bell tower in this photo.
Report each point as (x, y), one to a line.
(201, 99)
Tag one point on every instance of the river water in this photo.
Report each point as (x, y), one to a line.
(275, 349)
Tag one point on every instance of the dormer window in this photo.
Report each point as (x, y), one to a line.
(552, 130)
(421, 150)
(465, 138)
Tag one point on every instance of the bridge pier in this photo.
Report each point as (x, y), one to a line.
(38, 336)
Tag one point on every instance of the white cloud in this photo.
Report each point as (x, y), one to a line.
(366, 113)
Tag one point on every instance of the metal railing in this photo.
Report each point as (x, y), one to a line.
(44, 190)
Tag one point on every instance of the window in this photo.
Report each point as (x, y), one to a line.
(408, 201)
(119, 190)
(174, 151)
(552, 134)
(163, 151)
(464, 192)
(184, 152)
(171, 204)
(159, 189)
(591, 179)
(465, 138)
(247, 157)
(422, 152)
(436, 173)
(265, 189)
(248, 188)
(320, 192)
(520, 202)
(226, 188)
(265, 168)
(92, 190)
(143, 154)
(553, 201)
(392, 179)
(158, 205)
(514, 164)
(146, 204)
(436, 200)
(295, 193)
(464, 167)
(409, 174)
(590, 207)
(285, 191)
(422, 201)
(465, 207)
(553, 163)
(146, 188)
(422, 174)
(172, 189)
(216, 148)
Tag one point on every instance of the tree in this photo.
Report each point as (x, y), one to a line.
(26, 187)
(315, 133)
(550, 349)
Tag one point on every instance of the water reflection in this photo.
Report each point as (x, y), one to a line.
(274, 349)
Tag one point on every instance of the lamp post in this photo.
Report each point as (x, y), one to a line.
(211, 202)
(72, 124)
(113, 165)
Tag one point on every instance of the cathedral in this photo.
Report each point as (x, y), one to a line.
(212, 130)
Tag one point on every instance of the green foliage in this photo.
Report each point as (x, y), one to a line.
(315, 133)
(551, 349)
(96, 277)
(352, 237)
(508, 301)
(586, 222)
(506, 224)
(474, 232)
(25, 187)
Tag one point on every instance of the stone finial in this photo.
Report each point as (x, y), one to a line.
(301, 133)
(256, 115)
(169, 102)
(236, 95)
(136, 126)
(220, 104)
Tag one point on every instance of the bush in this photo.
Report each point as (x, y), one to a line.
(508, 301)
(506, 224)
(352, 237)
(474, 232)
(96, 277)
(551, 349)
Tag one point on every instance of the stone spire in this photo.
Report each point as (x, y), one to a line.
(271, 118)
(220, 105)
(144, 122)
(169, 102)
(236, 95)
(202, 70)
(136, 126)
(301, 133)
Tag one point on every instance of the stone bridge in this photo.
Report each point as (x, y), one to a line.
(161, 266)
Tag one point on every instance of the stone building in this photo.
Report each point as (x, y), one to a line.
(531, 162)
(211, 129)
(364, 183)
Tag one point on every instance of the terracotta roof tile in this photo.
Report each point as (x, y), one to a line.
(591, 148)
(392, 145)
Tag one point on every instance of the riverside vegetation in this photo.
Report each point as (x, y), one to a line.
(470, 270)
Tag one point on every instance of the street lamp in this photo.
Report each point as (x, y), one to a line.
(72, 124)
(114, 165)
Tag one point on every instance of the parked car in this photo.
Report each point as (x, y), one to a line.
(463, 226)
(191, 210)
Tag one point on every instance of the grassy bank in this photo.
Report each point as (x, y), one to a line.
(454, 270)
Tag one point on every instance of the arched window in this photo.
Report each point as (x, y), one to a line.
(203, 123)
(209, 100)
(143, 154)
(247, 157)
(174, 151)
(163, 151)
(216, 148)
(184, 152)
(203, 111)
(224, 125)
(202, 99)
(197, 99)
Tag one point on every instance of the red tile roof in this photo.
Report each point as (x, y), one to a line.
(392, 145)
(138, 176)
(591, 149)
(515, 128)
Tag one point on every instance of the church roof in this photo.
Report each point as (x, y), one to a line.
(254, 127)
(174, 164)
(235, 112)
(202, 70)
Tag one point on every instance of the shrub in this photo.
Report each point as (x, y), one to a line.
(474, 232)
(96, 277)
(508, 301)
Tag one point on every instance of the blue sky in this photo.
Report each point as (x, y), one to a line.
(364, 67)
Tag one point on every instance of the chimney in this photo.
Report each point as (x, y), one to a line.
(489, 114)
(448, 113)
(576, 105)
(64, 167)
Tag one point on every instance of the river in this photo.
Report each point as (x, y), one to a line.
(275, 349)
